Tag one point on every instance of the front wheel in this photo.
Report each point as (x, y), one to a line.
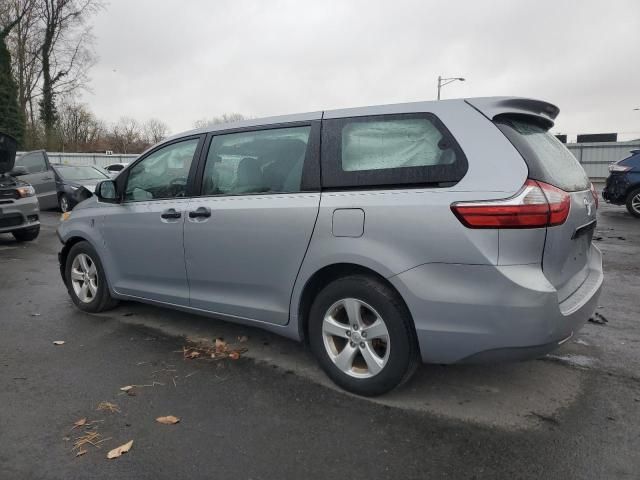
(63, 203)
(86, 281)
(633, 203)
(362, 335)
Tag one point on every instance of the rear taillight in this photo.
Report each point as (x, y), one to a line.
(614, 167)
(594, 192)
(536, 205)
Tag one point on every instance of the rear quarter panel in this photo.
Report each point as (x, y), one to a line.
(404, 228)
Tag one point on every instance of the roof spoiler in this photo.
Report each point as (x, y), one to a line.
(491, 107)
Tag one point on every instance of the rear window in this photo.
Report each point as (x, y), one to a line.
(389, 150)
(547, 158)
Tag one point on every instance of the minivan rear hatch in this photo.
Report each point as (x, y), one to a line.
(567, 246)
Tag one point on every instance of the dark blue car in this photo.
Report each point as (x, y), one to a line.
(623, 184)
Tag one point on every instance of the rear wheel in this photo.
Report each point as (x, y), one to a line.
(27, 234)
(633, 203)
(86, 281)
(361, 333)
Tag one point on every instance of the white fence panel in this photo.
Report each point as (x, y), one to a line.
(99, 159)
(596, 157)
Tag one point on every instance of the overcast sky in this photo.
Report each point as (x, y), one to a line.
(181, 61)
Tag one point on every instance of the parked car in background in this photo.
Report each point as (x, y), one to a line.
(69, 178)
(18, 202)
(443, 232)
(38, 172)
(623, 183)
(115, 168)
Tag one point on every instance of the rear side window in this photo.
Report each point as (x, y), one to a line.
(390, 150)
(547, 158)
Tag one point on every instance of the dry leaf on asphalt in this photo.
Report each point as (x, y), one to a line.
(116, 452)
(193, 354)
(108, 407)
(221, 345)
(79, 423)
(58, 342)
(81, 452)
(234, 355)
(127, 388)
(168, 420)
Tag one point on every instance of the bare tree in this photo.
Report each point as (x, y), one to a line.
(126, 134)
(155, 131)
(224, 118)
(78, 128)
(66, 52)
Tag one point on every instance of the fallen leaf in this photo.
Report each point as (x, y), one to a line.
(193, 354)
(81, 452)
(243, 339)
(116, 452)
(234, 355)
(80, 423)
(58, 342)
(108, 407)
(220, 345)
(168, 420)
(127, 388)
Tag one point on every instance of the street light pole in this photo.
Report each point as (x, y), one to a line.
(445, 81)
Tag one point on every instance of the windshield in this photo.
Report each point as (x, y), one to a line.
(75, 173)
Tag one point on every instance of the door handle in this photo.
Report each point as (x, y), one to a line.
(171, 213)
(200, 212)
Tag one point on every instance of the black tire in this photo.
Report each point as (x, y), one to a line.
(63, 203)
(403, 356)
(630, 197)
(102, 300)
(27, 234)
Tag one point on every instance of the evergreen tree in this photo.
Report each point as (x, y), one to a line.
(11, 116)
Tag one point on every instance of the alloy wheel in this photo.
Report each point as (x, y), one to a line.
(84, 277)
(356, 338)
(64, 203)
(635, 203)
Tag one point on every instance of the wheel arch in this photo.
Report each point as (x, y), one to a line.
(66, 248)
(630, 189)
(325, 275)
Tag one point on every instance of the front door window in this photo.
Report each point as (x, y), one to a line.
(163, 174)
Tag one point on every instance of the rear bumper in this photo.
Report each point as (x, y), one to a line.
(483, 313)
(19, 214)
(617, 186)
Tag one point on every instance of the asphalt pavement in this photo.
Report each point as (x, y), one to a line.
(272, 414)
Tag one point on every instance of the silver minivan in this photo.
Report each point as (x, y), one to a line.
(442, 232)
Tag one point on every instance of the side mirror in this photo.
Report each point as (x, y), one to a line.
(107, 191)
(18, 171)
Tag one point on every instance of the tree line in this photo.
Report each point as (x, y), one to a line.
(46, 52)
